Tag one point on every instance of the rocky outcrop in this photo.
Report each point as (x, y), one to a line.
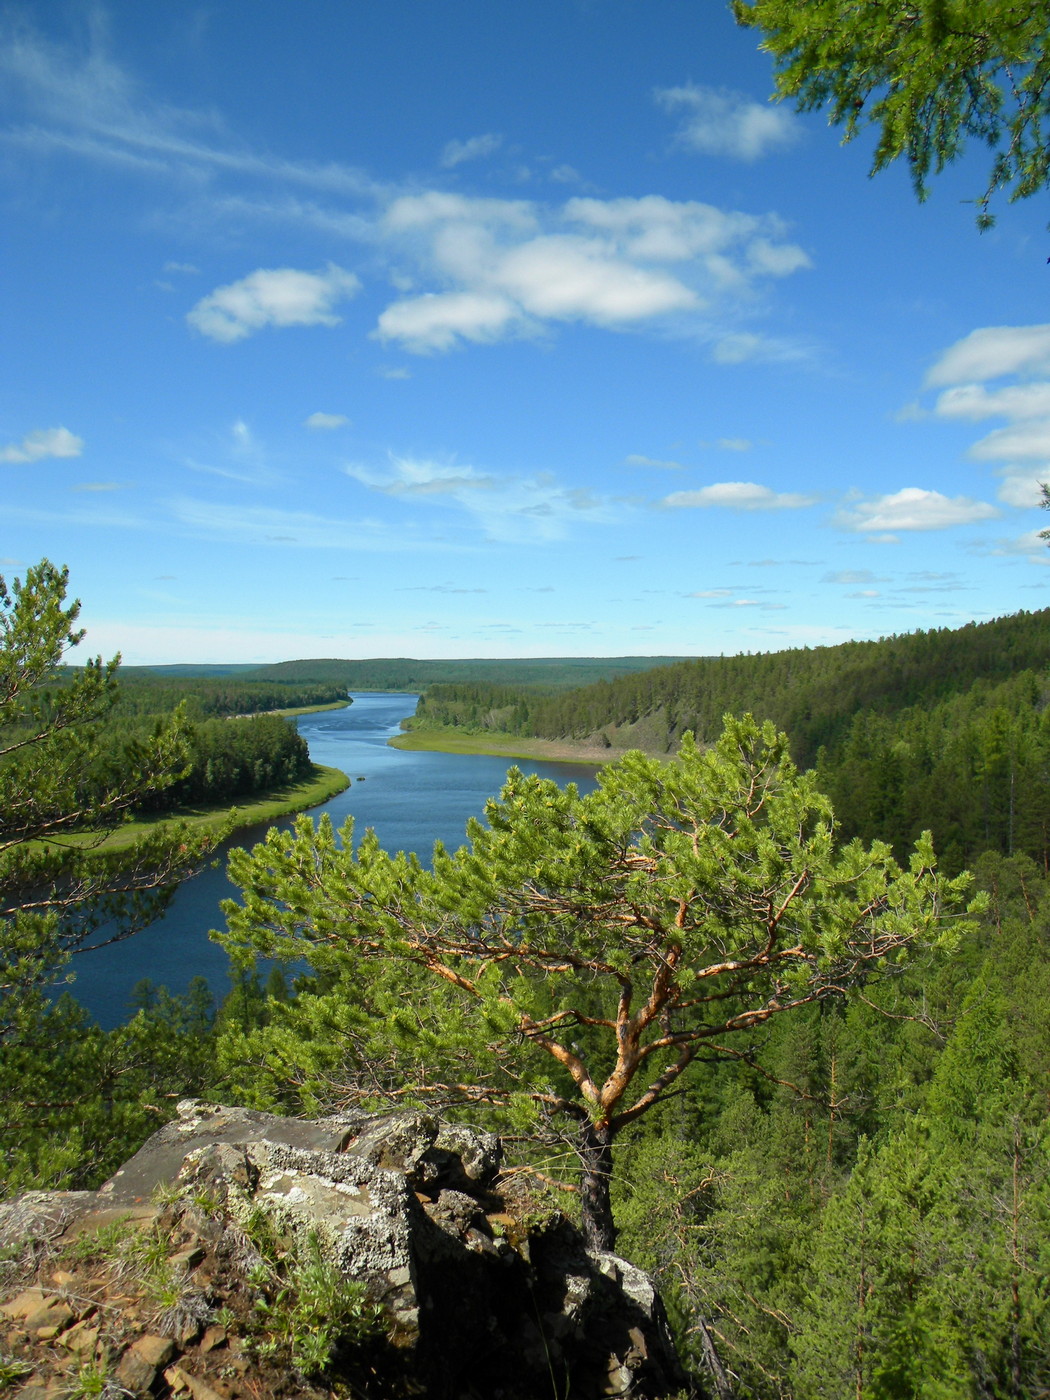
(180, 1275)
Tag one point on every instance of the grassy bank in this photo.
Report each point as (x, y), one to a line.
(281, 802)
(502, 746)
(302, 710)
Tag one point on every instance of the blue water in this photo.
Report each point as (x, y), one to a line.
(411, 799)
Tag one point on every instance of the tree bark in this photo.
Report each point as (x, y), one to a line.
(595, 1150)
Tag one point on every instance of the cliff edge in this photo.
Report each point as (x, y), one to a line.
(243, 1256)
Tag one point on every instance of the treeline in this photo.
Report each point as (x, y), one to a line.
(811, 693)
(946, 730)
(207, 697)
(404, 673)
(236, 748)
(233, 758)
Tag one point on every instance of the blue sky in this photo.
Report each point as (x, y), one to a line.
(451, 328)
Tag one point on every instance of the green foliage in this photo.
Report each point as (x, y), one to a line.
(580, 954)
(306, 1311)
(400, 673)
(64, 1116)
(930, 76)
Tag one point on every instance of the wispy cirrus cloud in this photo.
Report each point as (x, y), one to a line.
(326, 421)
(473, 148)
(637, 460)
(264, 525)
(83, 103)
(720, 122)
(468, 271)
(506, 507)
(41, 443)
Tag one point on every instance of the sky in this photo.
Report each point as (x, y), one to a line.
(445, 328)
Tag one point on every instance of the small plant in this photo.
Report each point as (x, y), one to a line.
(308, 1310)
(11, 1370)
(91, 1382)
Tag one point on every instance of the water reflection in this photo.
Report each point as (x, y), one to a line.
(411, 799)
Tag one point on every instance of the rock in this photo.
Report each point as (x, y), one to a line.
(480, 1293)
(157, 1351)
(135, 1373)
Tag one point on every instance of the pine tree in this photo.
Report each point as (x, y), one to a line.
(581, 955)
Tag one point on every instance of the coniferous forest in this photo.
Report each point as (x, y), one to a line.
(734, 1008)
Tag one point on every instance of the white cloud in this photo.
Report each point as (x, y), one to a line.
(280, 296)
(470, 269)
(509, 267)
(326, 420)
(850, 576)
(636, 460)
(991, 352)
(506, 507)
(735, 444)
(720, 122)
(1031, 544)
(43, 442)
(1021, 449)
(437, 321)
(739, 495)
(456, 152)
(86, 105)
(566, 278)
(913, 509)
(263, 525)
(974, 402)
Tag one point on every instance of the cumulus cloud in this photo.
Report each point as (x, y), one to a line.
(43, 442)
(501, 268)
(456, 152)
(279, 296)
(326, 420)
(991, 352)
(1021, 448)
(505, 507)
(719, 122)
(467, 270)
(913, 509)
(739, 495)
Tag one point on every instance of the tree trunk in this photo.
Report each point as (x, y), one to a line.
(596, 1156)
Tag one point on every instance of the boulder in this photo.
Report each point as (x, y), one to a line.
(483, 1288)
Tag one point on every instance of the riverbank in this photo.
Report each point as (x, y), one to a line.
(269, 807)
(502, 746)
(300, 710)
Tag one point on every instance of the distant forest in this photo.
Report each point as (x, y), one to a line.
(945, 729)
(237, 749)
(546, 674)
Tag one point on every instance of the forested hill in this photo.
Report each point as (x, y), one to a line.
(547, 673)
(812, 693)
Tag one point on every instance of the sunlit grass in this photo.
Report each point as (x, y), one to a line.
(280, 802)
(500, 746)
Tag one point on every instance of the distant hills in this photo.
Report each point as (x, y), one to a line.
(404, 673)
(812, 692)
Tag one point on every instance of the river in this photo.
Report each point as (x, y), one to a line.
(412, 799)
